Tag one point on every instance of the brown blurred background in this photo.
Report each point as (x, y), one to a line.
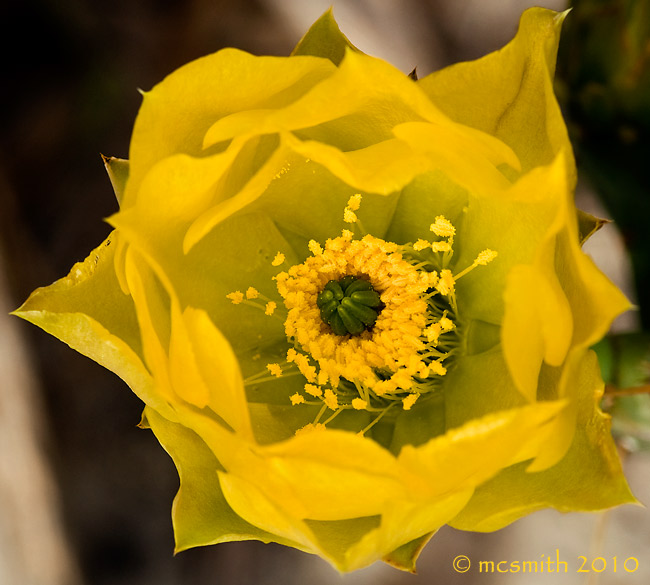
(84, 495)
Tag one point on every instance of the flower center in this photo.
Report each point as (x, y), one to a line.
(364, 325)
(349, 305)
(371, 324)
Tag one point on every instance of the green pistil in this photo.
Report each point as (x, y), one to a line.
(349, 305)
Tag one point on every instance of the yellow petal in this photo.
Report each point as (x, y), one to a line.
(200, 513)
(509, 93)
(175, 114)
(152, 308)
(250, 503)
(538, 321)
(88, 311)
(324, 39)
(509, 436)
(468, 156)
(383, 98)
(403, 522)
(587, 478)
(219, 370)
(537, 326)
(382, 168)
(223, 207)
(329, 476)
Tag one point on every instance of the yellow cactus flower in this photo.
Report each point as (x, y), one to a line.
(354, 304)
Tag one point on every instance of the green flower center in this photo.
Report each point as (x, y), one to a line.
(349, 306)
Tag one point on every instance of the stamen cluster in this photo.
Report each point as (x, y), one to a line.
(370, 322)
(389, 361)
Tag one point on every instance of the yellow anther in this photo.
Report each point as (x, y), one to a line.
(402, 380)
(443, 246)
(310, 428)
(421, 245)
(330, 399)
(443, 227)
(359, 404)
(410, 400)
(279, 259)
(270, 308)
(236, 297)
(432, 278)
(275, 369)
(322, 377)
(354, 202)
(433, 333)
(307, 370)
(446, 283)
(313, 390)
(437, 368)
(485, 257)
(252, 293)
(315, 248)
(347, 235)
(297, 399)
(349, 216)
(446, 324)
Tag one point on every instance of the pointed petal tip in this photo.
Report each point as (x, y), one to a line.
(118, 174)
(560, 16)
(144, 423)
(406, 568)
(324, 39)
(405, 557)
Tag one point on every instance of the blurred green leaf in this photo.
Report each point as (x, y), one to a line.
(625, 366)
(604, 86)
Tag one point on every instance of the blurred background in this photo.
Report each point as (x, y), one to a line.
(85, 496)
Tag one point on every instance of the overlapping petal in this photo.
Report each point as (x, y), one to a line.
(509, 93)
